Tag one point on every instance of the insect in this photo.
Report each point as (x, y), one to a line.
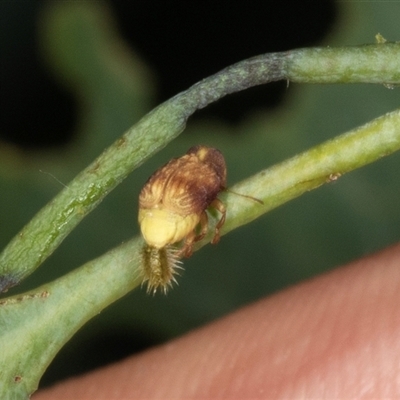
(172, 209)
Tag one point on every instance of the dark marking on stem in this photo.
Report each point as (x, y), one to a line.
(40, 295)
(8, 281)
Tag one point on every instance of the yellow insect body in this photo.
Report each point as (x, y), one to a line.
(161, 227)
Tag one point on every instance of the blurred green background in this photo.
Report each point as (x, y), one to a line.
(75, 75)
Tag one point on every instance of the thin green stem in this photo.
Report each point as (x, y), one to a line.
(322, 164)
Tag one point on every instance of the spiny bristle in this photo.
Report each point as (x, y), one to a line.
(159, 267)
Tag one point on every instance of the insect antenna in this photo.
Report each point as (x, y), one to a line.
(245, 196)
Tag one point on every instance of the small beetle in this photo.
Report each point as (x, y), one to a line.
(174, 200)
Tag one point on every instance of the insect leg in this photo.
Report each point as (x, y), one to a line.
(187, 249)
(203, 227)
(192, 238)
(220, 206)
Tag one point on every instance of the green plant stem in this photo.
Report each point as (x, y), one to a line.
(321, 164)
(44, 233)
(28, 344)
(83, 293)
(347, 64)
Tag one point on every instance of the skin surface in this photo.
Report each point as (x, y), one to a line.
(334, 336)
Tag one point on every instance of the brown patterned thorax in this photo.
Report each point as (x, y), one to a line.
(186, 185)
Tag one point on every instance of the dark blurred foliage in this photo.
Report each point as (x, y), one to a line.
(182, 42)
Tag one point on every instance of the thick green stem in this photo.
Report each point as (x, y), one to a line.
(34, 326)
(80, 295)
